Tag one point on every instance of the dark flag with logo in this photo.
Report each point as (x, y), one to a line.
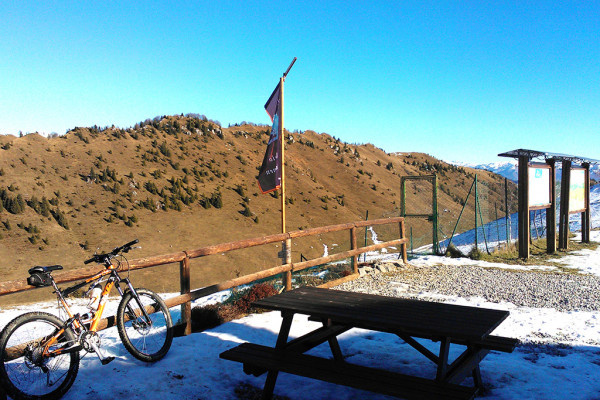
(269, 176)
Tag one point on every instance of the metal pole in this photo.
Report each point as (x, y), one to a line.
(459, 216)
(476, 202)
(482, 226)
(366, 219)
(535, 226)
(435, 217)
(497, 223)
(507, 212)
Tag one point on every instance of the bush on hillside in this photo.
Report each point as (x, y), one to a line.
(475, 254)
(454, 252)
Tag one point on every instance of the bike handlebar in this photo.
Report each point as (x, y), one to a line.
(105, 257)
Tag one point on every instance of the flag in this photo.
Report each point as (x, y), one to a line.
(272, 105)
(269, 176)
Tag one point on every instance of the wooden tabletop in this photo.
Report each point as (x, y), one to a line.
(389, 314)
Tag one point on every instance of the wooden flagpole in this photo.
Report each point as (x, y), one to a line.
(282, 153)
(287, 245)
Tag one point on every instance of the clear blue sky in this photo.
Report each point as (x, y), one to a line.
(458, 80)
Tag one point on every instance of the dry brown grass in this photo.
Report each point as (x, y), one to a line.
(329, 182)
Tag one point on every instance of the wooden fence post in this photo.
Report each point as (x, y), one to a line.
(186, 308)
(353, 246)
(403, 245)
(287, 259)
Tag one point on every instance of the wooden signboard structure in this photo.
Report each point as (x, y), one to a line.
(536, 189)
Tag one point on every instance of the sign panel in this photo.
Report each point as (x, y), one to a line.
(539, 186)
(577, 190)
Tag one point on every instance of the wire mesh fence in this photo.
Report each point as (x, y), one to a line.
(485, 217)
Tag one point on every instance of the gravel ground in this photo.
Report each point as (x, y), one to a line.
(564, 292)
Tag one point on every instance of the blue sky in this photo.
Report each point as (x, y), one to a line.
(458, 80)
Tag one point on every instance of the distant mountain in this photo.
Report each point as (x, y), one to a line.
(509, 169)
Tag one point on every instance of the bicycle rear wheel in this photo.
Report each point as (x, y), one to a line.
(25, 373)
(146, 340)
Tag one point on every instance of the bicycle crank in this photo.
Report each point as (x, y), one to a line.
(91, 343)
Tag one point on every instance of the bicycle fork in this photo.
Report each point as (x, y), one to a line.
(133, 315)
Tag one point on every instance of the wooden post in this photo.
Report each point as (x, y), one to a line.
(551, 212)
(186, 308)
(523, 188)
(403, 245)
(585, 215)
(353, 246)
(563, 226)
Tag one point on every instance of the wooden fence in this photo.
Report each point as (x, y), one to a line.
(184, 257)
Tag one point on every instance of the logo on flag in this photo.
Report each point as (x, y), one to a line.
(269, 176)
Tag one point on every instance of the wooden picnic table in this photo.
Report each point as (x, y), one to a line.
(339, 311)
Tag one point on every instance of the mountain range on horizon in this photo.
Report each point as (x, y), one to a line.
(509, 169)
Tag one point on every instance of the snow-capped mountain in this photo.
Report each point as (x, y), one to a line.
(509, 169)
(505, 168)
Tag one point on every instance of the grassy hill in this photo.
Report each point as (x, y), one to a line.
(184, 182)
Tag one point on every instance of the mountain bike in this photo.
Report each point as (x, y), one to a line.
(40, 353)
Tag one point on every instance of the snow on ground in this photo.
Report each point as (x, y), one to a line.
(559, 357)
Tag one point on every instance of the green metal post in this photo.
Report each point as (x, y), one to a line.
(476, 202)
(482, 225)
(497, 223)
(366, 219)
(435, 217)
(507, 212)
(459, 216)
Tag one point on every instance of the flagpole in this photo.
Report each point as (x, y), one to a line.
(282, 140)
(287, 248)
(282, 152)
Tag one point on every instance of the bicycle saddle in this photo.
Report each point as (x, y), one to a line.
(45, 269)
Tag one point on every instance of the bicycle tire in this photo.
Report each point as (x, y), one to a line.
(146, 343)
(24, 377)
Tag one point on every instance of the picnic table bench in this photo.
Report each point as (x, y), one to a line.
(340, 311)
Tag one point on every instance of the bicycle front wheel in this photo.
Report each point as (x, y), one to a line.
(146, 339)
(26, 371)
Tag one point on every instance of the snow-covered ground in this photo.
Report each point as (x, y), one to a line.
(559, 357)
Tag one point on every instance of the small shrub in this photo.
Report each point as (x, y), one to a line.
(256, 292)
(210, 316)
(454, 252)
(475, 254)
(206, 317)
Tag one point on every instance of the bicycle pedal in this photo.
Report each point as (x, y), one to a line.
(106, 360)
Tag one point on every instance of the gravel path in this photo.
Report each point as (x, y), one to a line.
(564, 292)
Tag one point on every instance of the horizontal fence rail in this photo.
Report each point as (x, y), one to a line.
(184, 257)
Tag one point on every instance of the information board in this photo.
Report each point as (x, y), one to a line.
(577, 190)
(539, 186)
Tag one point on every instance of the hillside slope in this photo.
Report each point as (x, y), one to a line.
(183, 182)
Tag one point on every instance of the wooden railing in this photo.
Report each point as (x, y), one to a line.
(184, 257)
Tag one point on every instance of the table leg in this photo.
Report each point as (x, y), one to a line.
(333, 344)
(282, 338)
(477, 378)
(267, 393)
(443, 359)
